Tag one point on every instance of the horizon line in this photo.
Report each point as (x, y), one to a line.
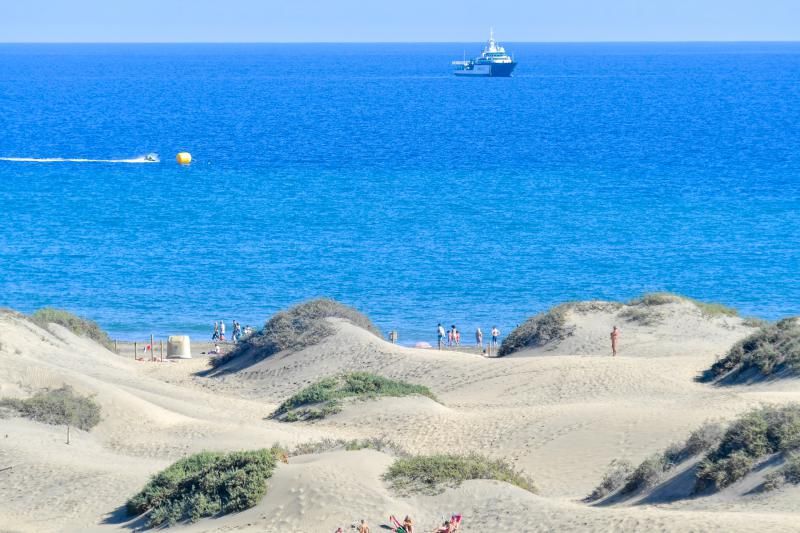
(697, 41)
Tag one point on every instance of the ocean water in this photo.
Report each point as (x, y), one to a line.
(370, 174)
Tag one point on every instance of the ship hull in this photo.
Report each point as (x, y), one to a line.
(493, 70)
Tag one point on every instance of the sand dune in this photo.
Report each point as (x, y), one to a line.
(560, 413)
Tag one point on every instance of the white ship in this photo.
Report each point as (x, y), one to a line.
(493, 62)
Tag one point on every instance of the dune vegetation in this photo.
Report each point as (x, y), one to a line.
(726, 455)
(79, 326)
(60, 406)
(709, 309)
(625, 480)
(296, 328)
(432, 474)
(205, 484)
(540, 330)
(747, 441)
(552, 326)
(788, 473)
(352, 445)
(773, 349)
(615, 477)
(324, 397)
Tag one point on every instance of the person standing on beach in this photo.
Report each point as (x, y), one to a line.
(495, 336)
(479, 338)
(440, 334)
(457, 337)
(215, 336)
(222, 330)
(614, 337)
(451, 335)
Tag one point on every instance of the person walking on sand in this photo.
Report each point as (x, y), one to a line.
(440, 334)
(215, 336)
(495, 336)
(614, 338)
(479, 338)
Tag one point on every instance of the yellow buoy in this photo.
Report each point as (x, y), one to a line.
(184, 158)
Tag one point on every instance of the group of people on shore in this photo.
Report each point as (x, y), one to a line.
(452, 337)
(236, 327)
(449, 338)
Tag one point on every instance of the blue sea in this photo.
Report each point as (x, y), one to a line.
(370, 174)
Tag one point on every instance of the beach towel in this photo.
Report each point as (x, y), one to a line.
(398, 526)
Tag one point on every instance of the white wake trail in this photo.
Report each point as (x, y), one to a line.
(141, 159)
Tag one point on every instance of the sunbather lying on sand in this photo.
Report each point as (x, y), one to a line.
(406, 527)
(444, 528)
(450, 526)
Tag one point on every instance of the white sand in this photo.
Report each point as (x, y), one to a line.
(561, 414)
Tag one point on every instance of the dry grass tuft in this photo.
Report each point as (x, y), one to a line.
(540, 330)
(79, 326)
(296, 328)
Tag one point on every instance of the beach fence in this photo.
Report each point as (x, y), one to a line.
(152, 349)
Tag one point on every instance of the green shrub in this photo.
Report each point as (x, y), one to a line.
(646, 475)
(754, 436)
(431, 474)
(699, 441)
(77, 325)
(205, 484)
(57, 407)
(730, 453)
(748, 433)
(773, 348)
(644, 316)
(299, 327)
(321, 391)
(537, 331)
(723, 472)
(702, 439)
(615, 477)
(789, 472)
(783, 427)
(324, 397)
(714, 309)
(329, 445)
(594, 306)
(754, 322)
(657, 298)
(709, 309)
(791, 469)
(652, 469)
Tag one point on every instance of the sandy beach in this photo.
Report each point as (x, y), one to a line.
(560, 414)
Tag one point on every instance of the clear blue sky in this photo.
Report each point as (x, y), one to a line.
(402, 20)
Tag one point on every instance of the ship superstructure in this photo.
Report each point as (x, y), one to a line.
(493, 62)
